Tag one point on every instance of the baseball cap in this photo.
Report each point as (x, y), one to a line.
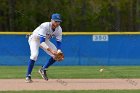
(56, 17)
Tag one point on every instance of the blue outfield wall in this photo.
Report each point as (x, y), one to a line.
(90, 50)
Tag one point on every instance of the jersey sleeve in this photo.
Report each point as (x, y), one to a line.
(43, 30)
(42, 39)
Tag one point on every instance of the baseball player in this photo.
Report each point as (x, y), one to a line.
(41, 38)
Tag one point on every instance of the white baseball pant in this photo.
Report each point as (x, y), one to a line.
(34, 43)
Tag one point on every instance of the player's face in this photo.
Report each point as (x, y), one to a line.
(55, 24)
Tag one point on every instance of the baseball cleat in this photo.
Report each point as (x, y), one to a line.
(28, 79)
(42, 72)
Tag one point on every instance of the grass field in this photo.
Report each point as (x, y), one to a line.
(79, 91)
(73, 72)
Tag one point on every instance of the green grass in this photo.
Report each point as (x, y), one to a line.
(73, 72)
(78, 91)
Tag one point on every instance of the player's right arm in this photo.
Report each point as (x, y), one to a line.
(41, 32)
(45, 46)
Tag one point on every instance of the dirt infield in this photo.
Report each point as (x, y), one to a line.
(69, 84)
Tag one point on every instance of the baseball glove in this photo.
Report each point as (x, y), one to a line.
(59, 56)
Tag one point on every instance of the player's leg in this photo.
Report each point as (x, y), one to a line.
(51, 61)
(34, 46)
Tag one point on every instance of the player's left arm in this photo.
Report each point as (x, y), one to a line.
(60, 55)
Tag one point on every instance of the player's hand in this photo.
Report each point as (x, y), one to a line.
(52, 51)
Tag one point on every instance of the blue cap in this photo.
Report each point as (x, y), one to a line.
(56, 17)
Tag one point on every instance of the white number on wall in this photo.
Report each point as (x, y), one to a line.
(100, 38)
